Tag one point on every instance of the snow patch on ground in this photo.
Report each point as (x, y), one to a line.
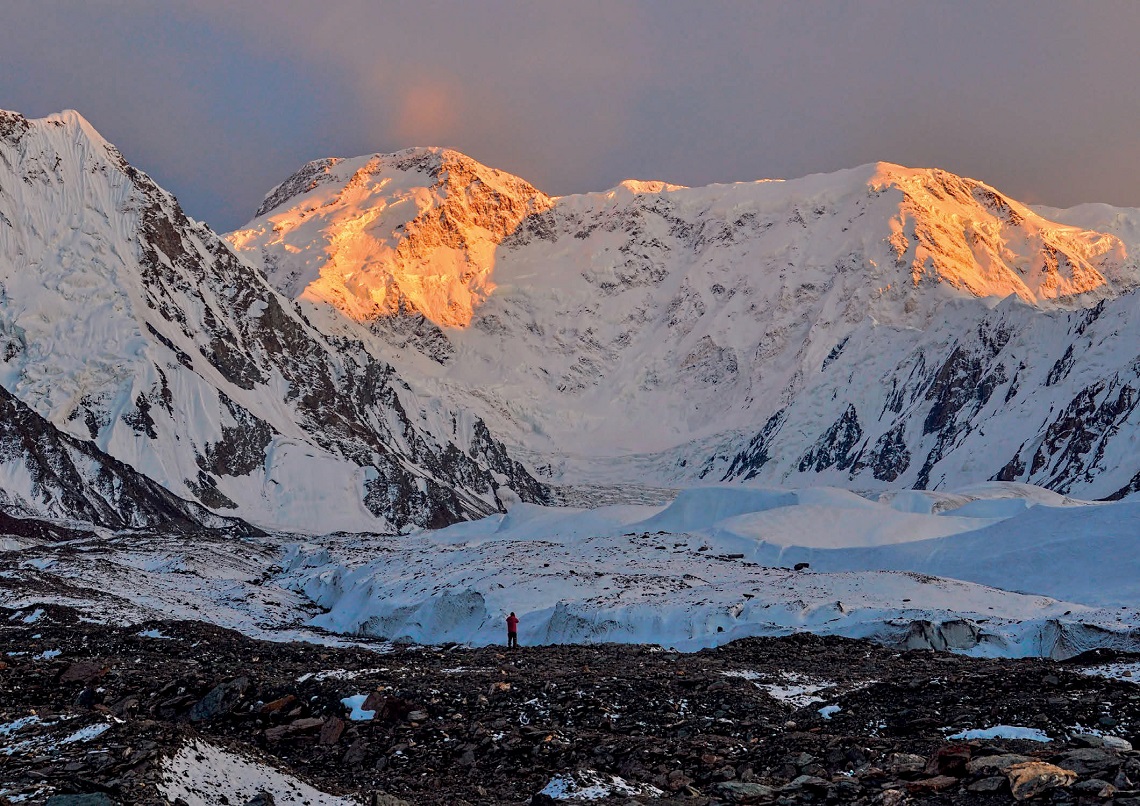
(8, 728)
(1127, 672)
(87, 734)
(1003, 732)
(590, 784)
(798, 690)
(203, 774)
(44, 743)
(355, 703)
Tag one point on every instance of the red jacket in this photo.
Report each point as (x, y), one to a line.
(512, 624)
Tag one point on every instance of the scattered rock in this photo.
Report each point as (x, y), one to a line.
(1094, 787)
(950, 760)
(1116, 743)
(1089, 760)
(332, 730)
(991, 784)
(83, 671)
(926, 786)
(989, 765)
(737, 792)
(1031, 778)
(280, 704)
(474, 726)
(904, 764)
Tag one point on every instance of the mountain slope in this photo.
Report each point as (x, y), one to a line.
(49, 474)
(125, 323)
(656, 333)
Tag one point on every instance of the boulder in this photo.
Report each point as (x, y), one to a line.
(990, 765)
(1031, 778)
(220, 699)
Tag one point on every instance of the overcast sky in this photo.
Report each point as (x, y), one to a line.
(220, 100)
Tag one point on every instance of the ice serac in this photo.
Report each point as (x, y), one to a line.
(878, 326)
(126, 324)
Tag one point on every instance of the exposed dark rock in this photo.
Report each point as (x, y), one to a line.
(220, 699)
(890, 457)
(483, 726)
(310, 176)
(835, 446)
(749, 462)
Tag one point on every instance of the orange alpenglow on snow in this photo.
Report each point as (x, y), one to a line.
(409, 233)
(966, 234)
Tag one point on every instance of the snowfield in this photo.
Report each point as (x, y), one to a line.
(202, 774)
(1000, 573)
(997, 569)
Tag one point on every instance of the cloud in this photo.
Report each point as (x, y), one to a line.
(221, 100)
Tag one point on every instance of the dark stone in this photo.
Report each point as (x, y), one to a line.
(222, 698)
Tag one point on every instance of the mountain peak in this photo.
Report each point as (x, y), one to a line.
(964, 233)
(445, 166)
(409, 232)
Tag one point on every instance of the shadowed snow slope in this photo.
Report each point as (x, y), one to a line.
(842, 329)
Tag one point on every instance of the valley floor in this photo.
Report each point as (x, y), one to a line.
(708, 649)
(168, 710)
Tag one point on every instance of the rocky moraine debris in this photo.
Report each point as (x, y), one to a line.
(91, 713)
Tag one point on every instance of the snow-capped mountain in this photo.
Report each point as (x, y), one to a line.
(128, 325)
(846, 328)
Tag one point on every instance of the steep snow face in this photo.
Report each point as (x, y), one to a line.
(967, 235)
(663, 333)
(125, 323)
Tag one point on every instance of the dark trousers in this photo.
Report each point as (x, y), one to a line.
(512, 640)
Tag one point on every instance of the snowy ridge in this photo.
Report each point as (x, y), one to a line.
(851, 325)
(125, 323)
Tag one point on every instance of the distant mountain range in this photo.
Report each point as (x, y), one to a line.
(406, 340)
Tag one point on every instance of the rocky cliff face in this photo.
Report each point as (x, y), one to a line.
(127, 324)
(835, 329)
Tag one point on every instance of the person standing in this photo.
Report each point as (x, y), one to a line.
(512, 631)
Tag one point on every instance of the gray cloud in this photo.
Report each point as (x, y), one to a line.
(221, 100)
